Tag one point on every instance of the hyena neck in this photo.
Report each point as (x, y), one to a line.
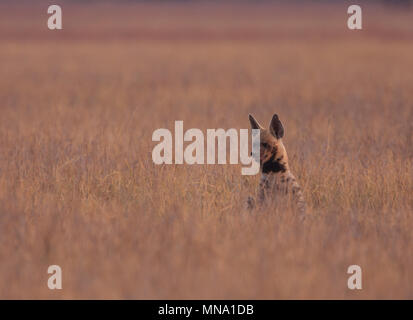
(274, 166)
(277, 164)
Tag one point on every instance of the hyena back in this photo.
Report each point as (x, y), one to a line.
(277, 182)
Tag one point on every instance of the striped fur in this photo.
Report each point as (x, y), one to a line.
(277, 183)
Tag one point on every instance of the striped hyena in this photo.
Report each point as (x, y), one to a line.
(277, 182)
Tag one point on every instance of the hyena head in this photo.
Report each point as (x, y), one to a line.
(273, 157)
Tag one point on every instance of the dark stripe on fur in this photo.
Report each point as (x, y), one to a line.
(272, 165)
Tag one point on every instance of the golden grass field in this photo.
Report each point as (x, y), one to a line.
(78, 187)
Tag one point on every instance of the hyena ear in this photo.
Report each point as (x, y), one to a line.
(276, 127)
(254, 123)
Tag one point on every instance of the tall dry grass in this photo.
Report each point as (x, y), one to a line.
(78, 187)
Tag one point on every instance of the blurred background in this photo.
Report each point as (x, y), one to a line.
(78, 187)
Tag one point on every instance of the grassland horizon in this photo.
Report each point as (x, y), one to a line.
(78, 187)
